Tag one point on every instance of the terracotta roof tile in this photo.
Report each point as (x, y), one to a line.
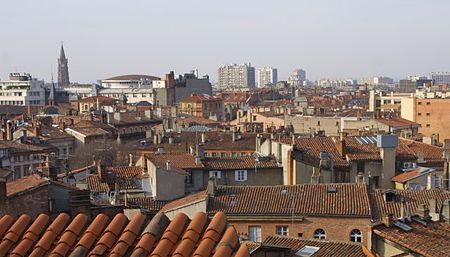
(240, 163)
(311, 199)
(413, 200)
(228, 244)
(212, 235)
(243, 251)
(14, 234)
(70, 235)
(128, 236)
(170, 236)
(91, 234)
(429, 241)
(160, 237)
(46, 241)
(191, 235)
(5, 222)
(178, 161)
(31, 236)
(110, 235)
(407, 176)
(326, 248)
(26, 183)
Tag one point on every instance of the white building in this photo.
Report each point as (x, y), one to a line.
(236, 77)
(129, 81)
(441, 77)
(22, 90)
(297, 78)
(266, 76)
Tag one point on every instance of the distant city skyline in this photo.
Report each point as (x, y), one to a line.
(328, 39)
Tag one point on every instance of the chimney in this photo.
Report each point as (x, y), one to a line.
(160, 150)
(403, 210)
(37, 129)
(203, 138)
(198, 161)
(171, 140)
(212, 186)
(63, 125)
(388, 220)
(9, 130)
(99, 169)
(434, 211)
(3, 192)
(130, 160)
(168, 165)
(29, 110)
(192, 150)
(446, 175)
(423, 212)
(446, 211)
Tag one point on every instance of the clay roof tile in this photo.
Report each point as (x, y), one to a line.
(110, 235)
(52, 232)
(93, 231)
(70, 235)
(243, 251)
(150, 235)
(14, 233)
(228, 243)
(31, 236)
(5, 222)
(129, 235)
(192, 235)
(212, 235)
(170, 236)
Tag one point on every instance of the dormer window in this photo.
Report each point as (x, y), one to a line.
(389, 197)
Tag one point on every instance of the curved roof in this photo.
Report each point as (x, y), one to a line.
(133, 77)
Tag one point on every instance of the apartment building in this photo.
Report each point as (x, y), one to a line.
(430, 112)
(202, 105)
(379, 101)
(236, 77)
(22, 89)
(266, 76)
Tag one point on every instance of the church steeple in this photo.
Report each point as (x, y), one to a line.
(63, 69)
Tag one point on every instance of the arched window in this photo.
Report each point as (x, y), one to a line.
(320, 234)
(356, 236)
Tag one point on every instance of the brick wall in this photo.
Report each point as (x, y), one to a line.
(31, 203)
(336, 228)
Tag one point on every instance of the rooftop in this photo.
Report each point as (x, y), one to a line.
(119, 236)
(429, 240)
(246, 162)
(133, 77)
(322, 248)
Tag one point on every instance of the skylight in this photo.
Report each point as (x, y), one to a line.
(307, 251)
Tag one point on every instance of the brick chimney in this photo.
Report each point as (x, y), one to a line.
(3, 193)
(341, 145)
(99, 169)
(212, 186)
(37, 129)
(388, 220)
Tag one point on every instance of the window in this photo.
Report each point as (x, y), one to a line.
(307, 251)
(356, 236)
(419, 114)
(428, 114)
(320, 234)
(254, 233)
(318, 123)
(360, 167)
(223, 155)
(234, 154)
(428, 103)
(282, 230)
(419, 103)
(213, 154)
(428, 125)
(240, 175)
(215, 173)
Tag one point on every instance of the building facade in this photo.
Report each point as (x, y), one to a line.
(22, 89)
(297, 78)
(204, 106)
(236, 77)
(266, 76)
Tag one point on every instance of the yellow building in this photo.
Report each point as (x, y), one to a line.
(202, 105)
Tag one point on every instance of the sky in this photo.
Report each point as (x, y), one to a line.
(327, 38)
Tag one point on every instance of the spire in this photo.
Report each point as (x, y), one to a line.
(62, 55)
(51, 96)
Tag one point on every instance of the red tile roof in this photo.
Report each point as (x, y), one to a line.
(120, 237)
(126, 177)
(413, 200)
(240, 163)
(311, 148)
(24, 184)
(326, 248)
(178, 161)
(407, 176)
(430, 241)
(351, 200)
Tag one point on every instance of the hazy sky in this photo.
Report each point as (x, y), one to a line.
(335, 38)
